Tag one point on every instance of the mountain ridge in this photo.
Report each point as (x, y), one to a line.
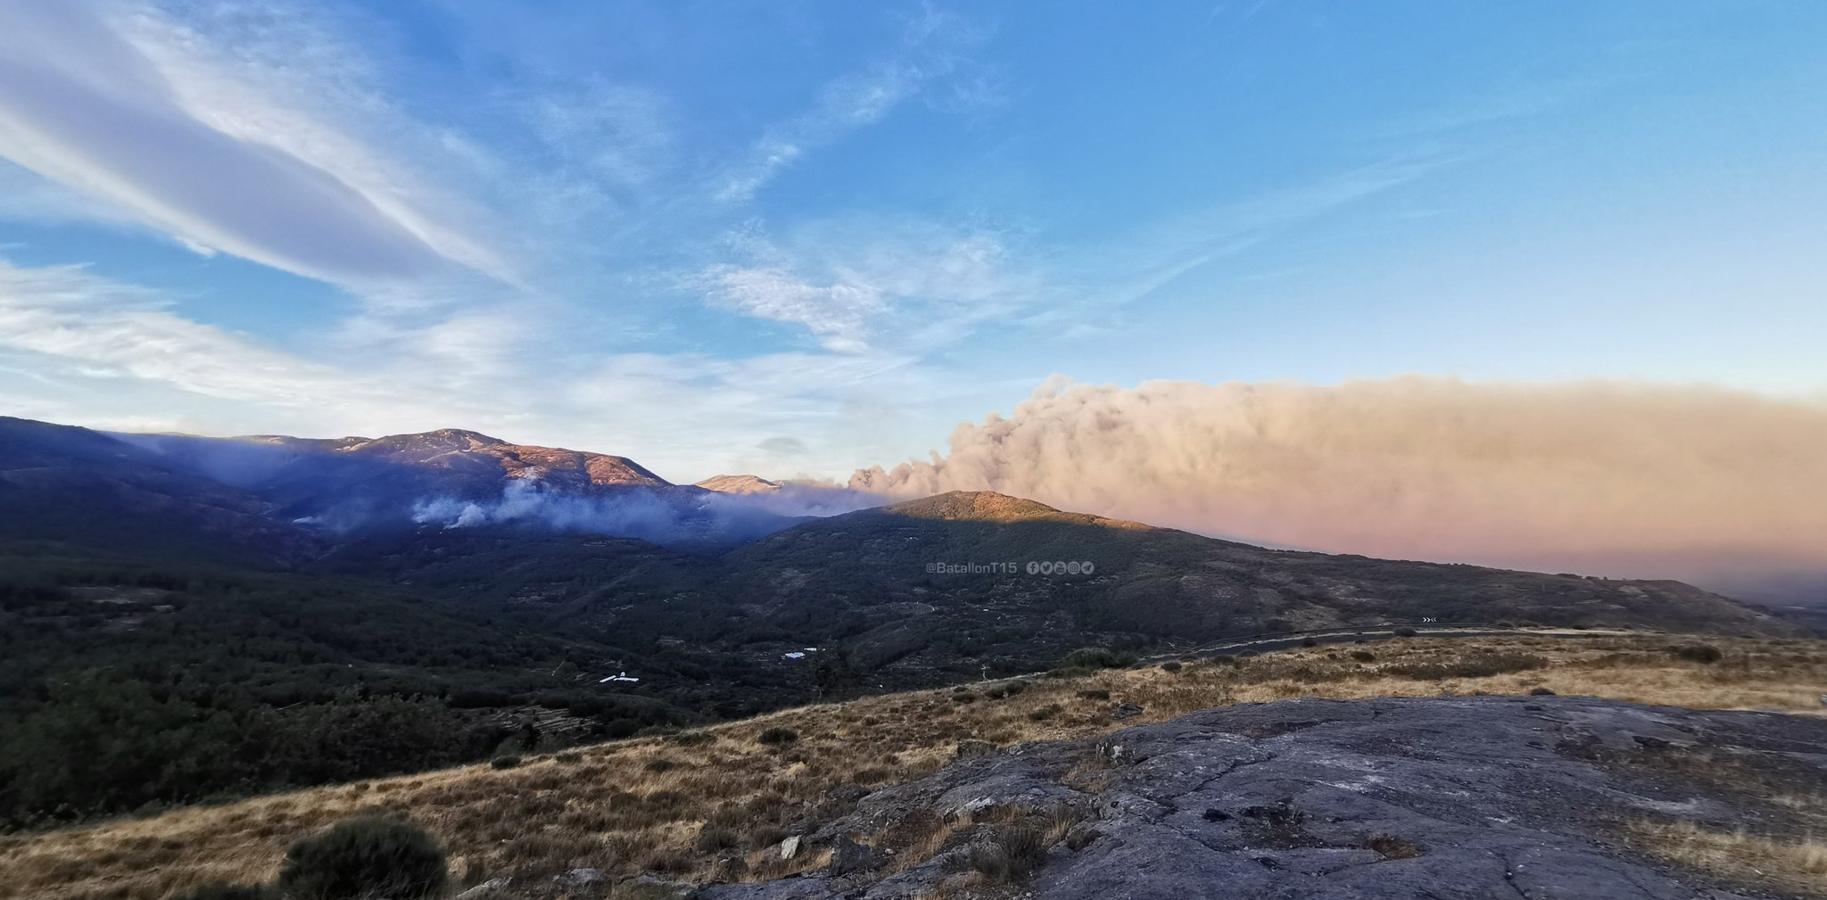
(997, 507)
(739, 484)
(851, 578)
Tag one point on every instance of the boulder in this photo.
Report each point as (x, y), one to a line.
(1385, 799)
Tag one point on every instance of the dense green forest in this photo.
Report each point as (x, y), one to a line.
(130, 682)
(127, 684)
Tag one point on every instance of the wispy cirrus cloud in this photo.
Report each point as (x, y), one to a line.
(221, 145)
(123, 356)
(105, 329)
(858, 284)
(839, 313)
(933, 47)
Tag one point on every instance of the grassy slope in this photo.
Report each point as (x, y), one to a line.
(664, 806)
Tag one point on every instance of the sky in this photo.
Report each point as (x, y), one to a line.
(801, 238)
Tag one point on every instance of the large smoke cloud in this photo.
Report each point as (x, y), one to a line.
(1598, 477)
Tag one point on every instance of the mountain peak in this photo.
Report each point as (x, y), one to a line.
(983, 506)
(441, 439)
(1001, 509)
(739, 484)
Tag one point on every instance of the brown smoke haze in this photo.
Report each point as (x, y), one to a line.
(1605, 477)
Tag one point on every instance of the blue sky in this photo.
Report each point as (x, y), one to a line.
(798, 238)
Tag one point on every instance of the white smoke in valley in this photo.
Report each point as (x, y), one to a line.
(803, 498)
(661, 515)
(1616, 478)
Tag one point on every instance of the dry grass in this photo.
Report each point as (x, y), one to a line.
(1791, 858)
(611, 807)
(1798, 865)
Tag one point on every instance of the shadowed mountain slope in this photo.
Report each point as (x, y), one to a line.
(61, 483)
(895, 573)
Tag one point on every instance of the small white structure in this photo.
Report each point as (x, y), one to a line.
(794, 655)
(620, 676)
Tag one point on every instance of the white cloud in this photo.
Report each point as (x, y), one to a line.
(932, 48)
(839, 313)
(619, 132)
(862, 283)
(82, 349)
(106, 329)
(226, 151)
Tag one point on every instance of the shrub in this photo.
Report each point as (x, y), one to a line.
(712, 838)
(1095, 658)
(661, 764)
(766, 835)
(364, 857)
(971, 749)
(777, 736)
(667, 862)
(1095, 694)
(1171, 666)
(690, 738)
(1309, 642)
(505, 762)
(1363, 656)
(1007, 689)
(1540, 692)
(1482, 666)
(1705, 654)
(1391, 847)
(1044, 713)
(568, 757)
(1011, 855)
(229, 892)
(1406, 631)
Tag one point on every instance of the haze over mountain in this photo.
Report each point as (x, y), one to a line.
(885, 576)
(456, 478)
(264, 596)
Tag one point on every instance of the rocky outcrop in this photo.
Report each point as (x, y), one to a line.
(1492, 797)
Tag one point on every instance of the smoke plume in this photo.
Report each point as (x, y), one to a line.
(1613, 478)
(665, 516)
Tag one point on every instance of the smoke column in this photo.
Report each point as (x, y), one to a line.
(1614, 478)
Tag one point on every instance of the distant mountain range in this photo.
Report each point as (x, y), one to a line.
(265, 586)
(896, 582)
(286, 500)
